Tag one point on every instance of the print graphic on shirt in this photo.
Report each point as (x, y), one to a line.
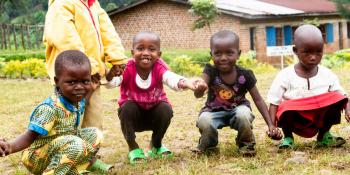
(227, 95)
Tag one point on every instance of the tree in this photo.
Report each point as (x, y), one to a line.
(343, 7)
(206, 12)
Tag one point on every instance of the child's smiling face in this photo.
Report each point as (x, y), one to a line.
(146, 50)
(225, 52)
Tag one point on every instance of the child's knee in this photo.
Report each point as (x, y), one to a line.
(74, 149)
(244, 114)
(205, 122)
(128, 108)
(99, 137)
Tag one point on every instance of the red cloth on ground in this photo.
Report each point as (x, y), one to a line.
(313, 109)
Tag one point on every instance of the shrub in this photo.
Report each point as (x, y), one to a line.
(247, 60)
(31, 68)
(13, 69)
(183, 65)
(23, 56)
(198, 56)
(337, 59)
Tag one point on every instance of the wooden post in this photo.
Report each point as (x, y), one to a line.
(37, 34)
(8, 27)
(14, 36)
(22, 37)
(28, 38)
(5, 37)
(2, 37)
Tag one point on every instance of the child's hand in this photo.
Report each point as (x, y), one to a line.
(195, 84)
(274, 133)
(116, 70)
(200, 88)
(5, 148)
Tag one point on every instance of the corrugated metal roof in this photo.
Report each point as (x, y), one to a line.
(308, 6)
(254, 7)
(260, 9)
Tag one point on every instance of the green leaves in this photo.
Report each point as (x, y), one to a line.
(343, 7)
(31, 68)
(205, 11)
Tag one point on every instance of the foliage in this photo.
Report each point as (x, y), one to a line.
(343, 7)
(23, 11)
(315, 22)
(111, 6)
(183, 65)
(31, 68)
(206, 12)
(21, 56)
(198, 56)
(248, 60)
(33, 11)
(338, 59)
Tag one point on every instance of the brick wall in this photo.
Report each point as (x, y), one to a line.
(173, 23)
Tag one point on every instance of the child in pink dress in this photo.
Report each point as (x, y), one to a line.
(143, 102)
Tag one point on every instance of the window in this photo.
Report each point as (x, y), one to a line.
(270, 36)
(279, 36)
(288, 35)
(327, 32)
(252, 38)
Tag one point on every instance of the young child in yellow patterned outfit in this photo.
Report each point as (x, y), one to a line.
(54, 142)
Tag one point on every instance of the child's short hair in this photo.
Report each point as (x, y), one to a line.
(70, 58)
(136, 37)
(224, 34)
(307, 31)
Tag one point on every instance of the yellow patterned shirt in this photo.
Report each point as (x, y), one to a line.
(53, 118)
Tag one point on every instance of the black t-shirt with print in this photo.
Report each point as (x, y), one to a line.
(223, 96)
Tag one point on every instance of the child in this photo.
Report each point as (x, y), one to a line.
(306, 98)
(83, 25)
(226, 103)
(57, 144)
(143, 103)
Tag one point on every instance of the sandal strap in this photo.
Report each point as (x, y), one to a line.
(136, 154)
(98, 165)
(158, 152)
(286, 142)
(330, 140)
(162, 150)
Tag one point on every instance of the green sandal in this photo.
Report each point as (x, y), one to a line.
(287, 143)
(135, 156)
(99, 166)
(329, 140)
(159, 153)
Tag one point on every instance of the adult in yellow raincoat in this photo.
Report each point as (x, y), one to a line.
(83, 25)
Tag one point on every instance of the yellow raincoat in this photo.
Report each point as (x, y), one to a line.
(74, 25)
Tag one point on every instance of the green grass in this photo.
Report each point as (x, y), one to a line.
(19, 97)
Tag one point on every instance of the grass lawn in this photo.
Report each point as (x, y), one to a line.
(19, 97)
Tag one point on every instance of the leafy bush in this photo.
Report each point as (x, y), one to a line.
(22, 56)
(337, 59)
(31, 68)
(183, 65)
(247, 60)
(198, 56)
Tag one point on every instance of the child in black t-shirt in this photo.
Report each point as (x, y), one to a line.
(226, 103)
